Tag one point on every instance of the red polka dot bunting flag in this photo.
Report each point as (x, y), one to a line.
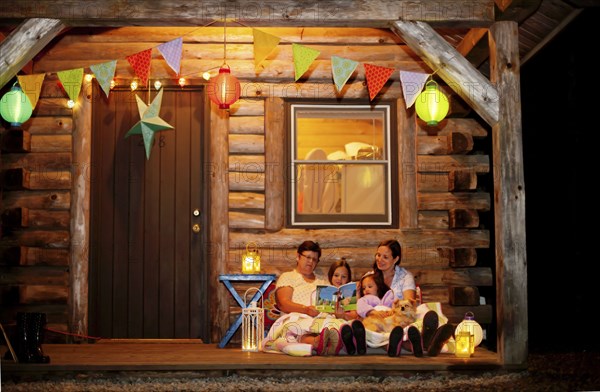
(141, 65)
(376, 77)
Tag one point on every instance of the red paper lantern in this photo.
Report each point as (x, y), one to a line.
(225, 89)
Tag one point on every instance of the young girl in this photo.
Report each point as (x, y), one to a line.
(339, 274)
(373, 292)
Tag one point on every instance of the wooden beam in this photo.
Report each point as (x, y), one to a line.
(340, 13)
(453, 68)
(23, 43)
(509, 197)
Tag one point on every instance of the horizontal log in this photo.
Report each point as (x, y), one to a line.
(246, 144)
(58, 200)
(51, 143)
(49, 125)
(452, 143)
(456, 314)
(476, 276)
(348, 13)
(447, 163)
(247, 107)
(16, 179)
(247, 181)
(37, 238)
(433, 182)
(249, 200)
(345, 238)
(434, 294)
(37, 161)
(463, 219)
(362, 258)
(458, 200)
(462, 180)
(247, 125)
(53, 106)
(463, 257)
(433, 219)
(15, 140)
(55, 313)
(244, 220)
(24, 255)
(247, 163)
(449, 125)
(38, 294)
(468, 295)
(34, 275)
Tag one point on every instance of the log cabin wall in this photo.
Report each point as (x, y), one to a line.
(442, 203)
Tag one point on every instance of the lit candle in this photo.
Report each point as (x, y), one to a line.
(464, 342)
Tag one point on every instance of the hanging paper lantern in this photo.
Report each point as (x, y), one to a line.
(432, 105)
(15, 106)
(225, 89)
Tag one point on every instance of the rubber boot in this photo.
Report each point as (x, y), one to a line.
(20, 342)
(37, 325)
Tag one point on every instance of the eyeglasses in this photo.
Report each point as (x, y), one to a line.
(315, 259)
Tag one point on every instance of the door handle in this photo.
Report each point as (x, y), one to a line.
(196, 228)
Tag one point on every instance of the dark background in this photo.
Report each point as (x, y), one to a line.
(560, 112)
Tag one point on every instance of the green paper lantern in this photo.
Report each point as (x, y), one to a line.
(15, 106)
(432, 105)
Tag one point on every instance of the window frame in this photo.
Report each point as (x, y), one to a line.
(392, 192)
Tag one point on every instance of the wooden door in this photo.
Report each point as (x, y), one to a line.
(147, 271)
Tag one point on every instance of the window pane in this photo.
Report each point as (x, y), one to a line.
(340, 165)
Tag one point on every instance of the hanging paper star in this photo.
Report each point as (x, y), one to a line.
(149, 122)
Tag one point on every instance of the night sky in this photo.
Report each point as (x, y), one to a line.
(560, 108)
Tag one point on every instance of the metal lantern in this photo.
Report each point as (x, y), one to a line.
(225, 89)
(251, 259)
(472, 327)
(432, 105)
(253, 324)
(15, 106)
(464, 344)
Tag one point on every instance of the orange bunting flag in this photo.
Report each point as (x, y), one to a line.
(303, 58)
(376, 77)
(264, 43)
(141, 65)
(31, 86)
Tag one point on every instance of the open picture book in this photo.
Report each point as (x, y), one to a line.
(328, 298)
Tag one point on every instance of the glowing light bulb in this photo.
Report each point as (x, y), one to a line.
(112, 84)
(157, 85)
(89, 77)
(206, 75)
(70, 104)
(181, 82)
(134, 85)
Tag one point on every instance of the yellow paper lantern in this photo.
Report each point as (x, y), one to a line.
(432, 105)
(253, 324)
(15, 106)
(472, 327)
(251, 259)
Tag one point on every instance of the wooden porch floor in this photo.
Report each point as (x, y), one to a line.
(207, 360)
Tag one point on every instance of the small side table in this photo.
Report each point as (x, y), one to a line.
(267, 279)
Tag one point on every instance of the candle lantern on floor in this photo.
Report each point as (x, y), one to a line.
(253, 324)
(464, 344)
(473, 328)
(251, 259)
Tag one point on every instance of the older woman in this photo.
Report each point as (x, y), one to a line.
(296, 332)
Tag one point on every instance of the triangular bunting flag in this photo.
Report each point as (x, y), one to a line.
(303, 58)
(342, 69)
(104, 73)
(71, 80)
(31, 86)
(141, 65)
(150, 121)
(171, 51)
(376, 77)
(412, 84)
(264, 43)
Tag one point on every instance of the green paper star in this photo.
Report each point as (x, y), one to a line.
(149, 122)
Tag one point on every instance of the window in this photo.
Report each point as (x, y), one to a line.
(340, 165)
